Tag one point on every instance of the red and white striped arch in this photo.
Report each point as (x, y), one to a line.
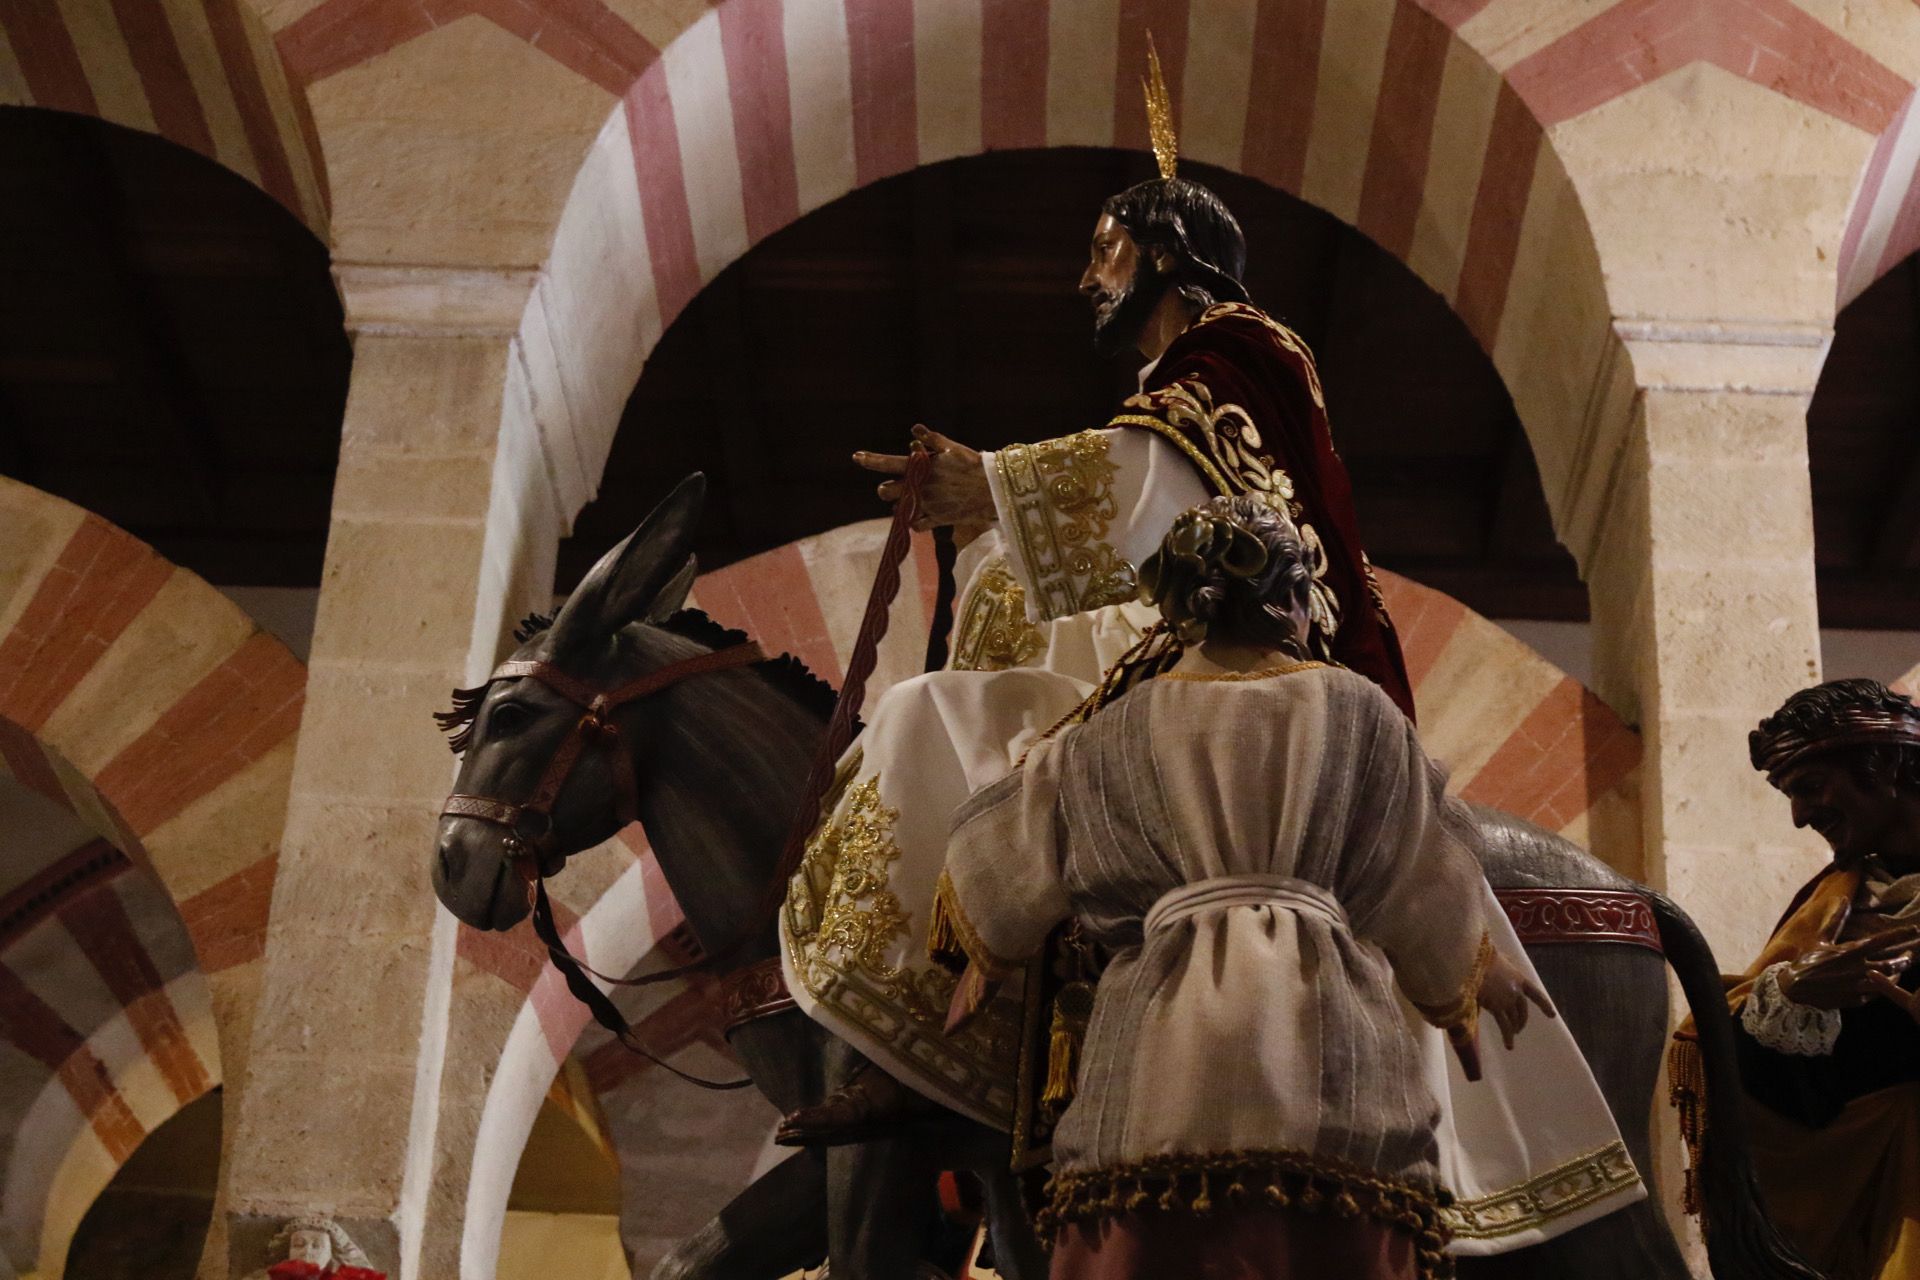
(762, 110)
(150, 715)
(1884, 226)
(106, 1023)
(202, 73)
(144, 701)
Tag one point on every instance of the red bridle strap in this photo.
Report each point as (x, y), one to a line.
(596, 722)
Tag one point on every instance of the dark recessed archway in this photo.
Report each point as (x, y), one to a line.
(171, 350)
(1863, 445)
(946, 295)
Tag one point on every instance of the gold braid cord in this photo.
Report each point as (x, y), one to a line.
(1288, 1180)
(1166, 147)
(1465, 1007)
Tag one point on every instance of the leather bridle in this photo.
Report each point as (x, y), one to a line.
(529, 822)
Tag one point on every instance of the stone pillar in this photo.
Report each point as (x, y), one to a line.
(426, 553)
(1701, 571)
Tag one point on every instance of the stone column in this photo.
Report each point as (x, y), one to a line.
(1704, 616)
(427, 555)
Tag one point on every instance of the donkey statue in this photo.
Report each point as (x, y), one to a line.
(630, 707)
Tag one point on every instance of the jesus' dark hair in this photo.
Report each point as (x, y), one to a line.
(1195, 228)
(1834, 710)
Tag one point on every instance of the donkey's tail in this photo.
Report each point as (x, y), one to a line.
(1742, 1242)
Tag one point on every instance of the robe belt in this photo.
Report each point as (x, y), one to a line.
(1284, 892)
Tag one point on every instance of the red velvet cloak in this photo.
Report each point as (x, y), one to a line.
(1237, 392)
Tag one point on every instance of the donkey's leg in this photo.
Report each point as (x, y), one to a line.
(882, 1206)
(786, 1056)
(775, 1227)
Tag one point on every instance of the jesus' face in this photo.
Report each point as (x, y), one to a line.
(1122, 283)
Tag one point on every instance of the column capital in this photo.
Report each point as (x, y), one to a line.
(433, 301)
(1750, 357)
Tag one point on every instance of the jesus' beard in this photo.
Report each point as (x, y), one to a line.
(1120, 327)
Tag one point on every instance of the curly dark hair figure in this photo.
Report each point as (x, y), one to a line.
(1232, 570)
(1196, 229)
(1878, 728)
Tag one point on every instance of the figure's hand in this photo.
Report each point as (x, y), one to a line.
(1505, 992)
(974, 992)
(1847, 975)
(955, 492)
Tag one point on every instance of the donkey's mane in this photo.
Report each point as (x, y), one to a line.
(786, 673)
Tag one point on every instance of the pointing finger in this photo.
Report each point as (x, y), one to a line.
(892, 464)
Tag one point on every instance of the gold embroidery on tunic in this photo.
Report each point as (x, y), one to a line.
(994, 633)
(860, 917)
(1556, 1193)
(843, 920)
(1061, 492)
(1228, 455)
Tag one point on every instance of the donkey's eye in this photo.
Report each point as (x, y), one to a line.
(508, 717)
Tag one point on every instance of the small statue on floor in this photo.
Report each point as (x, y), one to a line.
(315, 1246)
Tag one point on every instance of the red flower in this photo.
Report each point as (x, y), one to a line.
(358, 1273)
(292, 1270)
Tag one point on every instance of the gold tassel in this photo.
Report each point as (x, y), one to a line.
(943, 935)
(1062, 1049)
(1203, 1203)
(1071, 1010)
(1687, 1093)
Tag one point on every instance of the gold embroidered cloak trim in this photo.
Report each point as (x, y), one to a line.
(1285, 1179)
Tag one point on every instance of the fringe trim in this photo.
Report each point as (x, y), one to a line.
(1466, 1007)
(1283, 1179)
(953, 942)
(1687, 1094)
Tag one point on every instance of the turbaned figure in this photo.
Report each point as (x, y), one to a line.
(1828, 1022)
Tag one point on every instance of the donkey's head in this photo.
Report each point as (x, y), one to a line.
(548, 757)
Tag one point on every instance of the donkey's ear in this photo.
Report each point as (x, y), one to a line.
(673, 596)
(644, 569)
